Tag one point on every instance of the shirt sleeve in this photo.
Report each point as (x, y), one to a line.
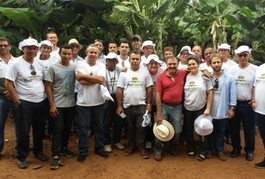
(12, 72)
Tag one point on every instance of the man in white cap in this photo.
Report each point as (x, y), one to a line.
(224, 50)
(153, 66)
(244, 73)
(258, 104)
(169, 83)
(5, 103)
(136, 81)
(183, 55)
(59, 86)
(136, 43)
(223, 105)
(24, 83)
(112, 76)
(148, 48)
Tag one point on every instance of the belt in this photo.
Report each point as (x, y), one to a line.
(170, 104)
(243, 102)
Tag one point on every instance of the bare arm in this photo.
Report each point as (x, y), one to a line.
(48, 89)
(12, 92)
(119, 96)
(149, 94)
(209, 102)
(159, 112)
(88, 79)
(253, 102)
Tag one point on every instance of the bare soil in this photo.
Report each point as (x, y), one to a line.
(119, 166)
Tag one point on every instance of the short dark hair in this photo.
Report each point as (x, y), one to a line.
(113, 42)
(65, 46)
(125, 42)
(168, 49)
(5, 39)
(193, 57)
(135, 52)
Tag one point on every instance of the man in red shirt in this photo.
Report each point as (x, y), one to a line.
(169, 96)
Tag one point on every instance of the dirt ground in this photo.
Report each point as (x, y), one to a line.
(119, 166)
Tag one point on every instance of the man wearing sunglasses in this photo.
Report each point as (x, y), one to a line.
(244, 73)
(223, 105)
(24, 83)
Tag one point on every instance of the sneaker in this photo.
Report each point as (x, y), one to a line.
(129, 151)
(22, 164)
(143, 153)
(66, 152)
(201, 157)
(41, 156)
(260, 165)
(81, 158)
(191, 154)
(157, 157)
(108, 148)
(102, 153)
(119, 146)
(55, 162)
(148, 145)
(221, 156)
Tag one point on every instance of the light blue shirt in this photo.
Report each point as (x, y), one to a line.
(228, 96)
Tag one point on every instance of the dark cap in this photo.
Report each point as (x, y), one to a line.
(136, 36)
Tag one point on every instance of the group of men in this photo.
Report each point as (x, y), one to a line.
(138, 82)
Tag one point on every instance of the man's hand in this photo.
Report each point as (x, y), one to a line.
(123, 69)
(78, 75)
(148, 108)
(231, 113)
(119, 110)
(7, 95)
(53, 112)
(206, 112)
(159, 119)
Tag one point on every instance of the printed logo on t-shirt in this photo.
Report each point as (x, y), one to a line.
(261, 78)
(135, 82)
(216, 92)
(193, 86)
(241, 81)
(35, 77)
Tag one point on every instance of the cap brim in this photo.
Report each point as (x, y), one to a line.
(170, 128)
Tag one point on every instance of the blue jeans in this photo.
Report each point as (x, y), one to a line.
(86, 115)
(61, 128)
(261, 125)
(112, 118)
(5, 106)
(216, 138)
(244, 113)
(173, 115)
(31, 114)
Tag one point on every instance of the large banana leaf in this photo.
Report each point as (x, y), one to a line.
(27, 18)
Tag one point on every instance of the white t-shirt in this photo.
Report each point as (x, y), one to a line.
(244, 80)
(134, 84)
(228, 64)
(55, 54)
(47, 63)
(195, 90)
(28, 87)
(182, 66)
(216, 98)
(123, 63)
(259, 90)
(204, 66)
(143, 61)
(89, 95)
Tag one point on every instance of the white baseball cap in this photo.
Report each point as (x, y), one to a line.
(28, 42)
(45, 42)
(186, 47)
(147, 43)
(224, 46)
(243, 48)
(112, 55)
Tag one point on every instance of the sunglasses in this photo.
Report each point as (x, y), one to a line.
(242, 55)
(32, 68)
(216, 85)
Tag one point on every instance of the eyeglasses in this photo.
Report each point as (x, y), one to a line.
(5, 46)
(216, 85)
(32, 68)
(242, 55)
